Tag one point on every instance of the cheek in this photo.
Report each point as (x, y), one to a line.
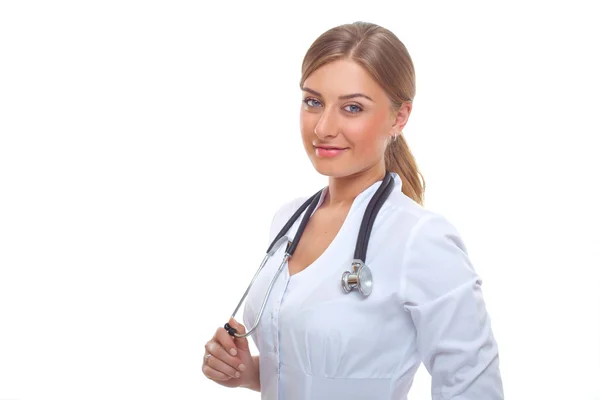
(366, 137)
(304, 128)
(307, 123)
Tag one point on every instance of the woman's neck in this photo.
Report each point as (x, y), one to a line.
(342, 191)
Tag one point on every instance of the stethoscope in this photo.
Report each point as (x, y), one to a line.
(360, 278)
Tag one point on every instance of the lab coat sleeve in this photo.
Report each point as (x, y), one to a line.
(442, 292)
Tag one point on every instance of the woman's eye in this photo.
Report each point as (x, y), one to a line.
(355, 110)
(308, 101)
(351, 108)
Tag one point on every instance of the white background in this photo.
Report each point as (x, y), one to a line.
(144, 147)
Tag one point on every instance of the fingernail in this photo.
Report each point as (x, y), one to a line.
(237, 374)
(242, 367)
(233, 352)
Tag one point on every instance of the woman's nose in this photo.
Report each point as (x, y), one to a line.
(327, 125)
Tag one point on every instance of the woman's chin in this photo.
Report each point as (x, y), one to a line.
(332, 169)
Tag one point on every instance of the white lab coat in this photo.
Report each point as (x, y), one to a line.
(317, 342)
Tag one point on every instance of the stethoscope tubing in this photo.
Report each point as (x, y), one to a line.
(279, 240)
(310, 205)
(272, 250)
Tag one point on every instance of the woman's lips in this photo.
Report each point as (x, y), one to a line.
(328, 152)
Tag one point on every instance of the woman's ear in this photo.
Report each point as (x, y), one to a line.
(400, 117)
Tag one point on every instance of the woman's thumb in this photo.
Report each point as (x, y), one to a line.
(240, 343)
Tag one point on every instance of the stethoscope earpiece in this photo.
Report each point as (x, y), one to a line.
(361, 279)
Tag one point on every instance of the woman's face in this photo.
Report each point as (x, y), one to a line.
(351, 114)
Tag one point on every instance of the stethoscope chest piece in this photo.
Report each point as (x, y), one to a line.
(360, 278)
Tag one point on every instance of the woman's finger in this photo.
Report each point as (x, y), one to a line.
(213, 347)
(213, 374)
(240, 343)
(222, 367)
(226, 341)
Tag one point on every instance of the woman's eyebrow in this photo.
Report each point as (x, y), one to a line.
(344, 97)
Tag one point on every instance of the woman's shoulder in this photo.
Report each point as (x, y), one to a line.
(411, 216)
(286, 209)
(284, 212)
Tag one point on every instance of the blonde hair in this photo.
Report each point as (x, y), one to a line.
(386, 59)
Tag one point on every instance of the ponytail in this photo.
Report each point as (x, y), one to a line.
(399, 159)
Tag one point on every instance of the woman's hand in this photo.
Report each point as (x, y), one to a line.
(228, 361)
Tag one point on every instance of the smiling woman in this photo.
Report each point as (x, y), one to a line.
(355, 125)
(419, 299)
(343, 82)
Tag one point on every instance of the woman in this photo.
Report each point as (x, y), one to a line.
(318, 342)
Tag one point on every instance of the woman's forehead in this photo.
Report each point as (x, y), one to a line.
(342, 77)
